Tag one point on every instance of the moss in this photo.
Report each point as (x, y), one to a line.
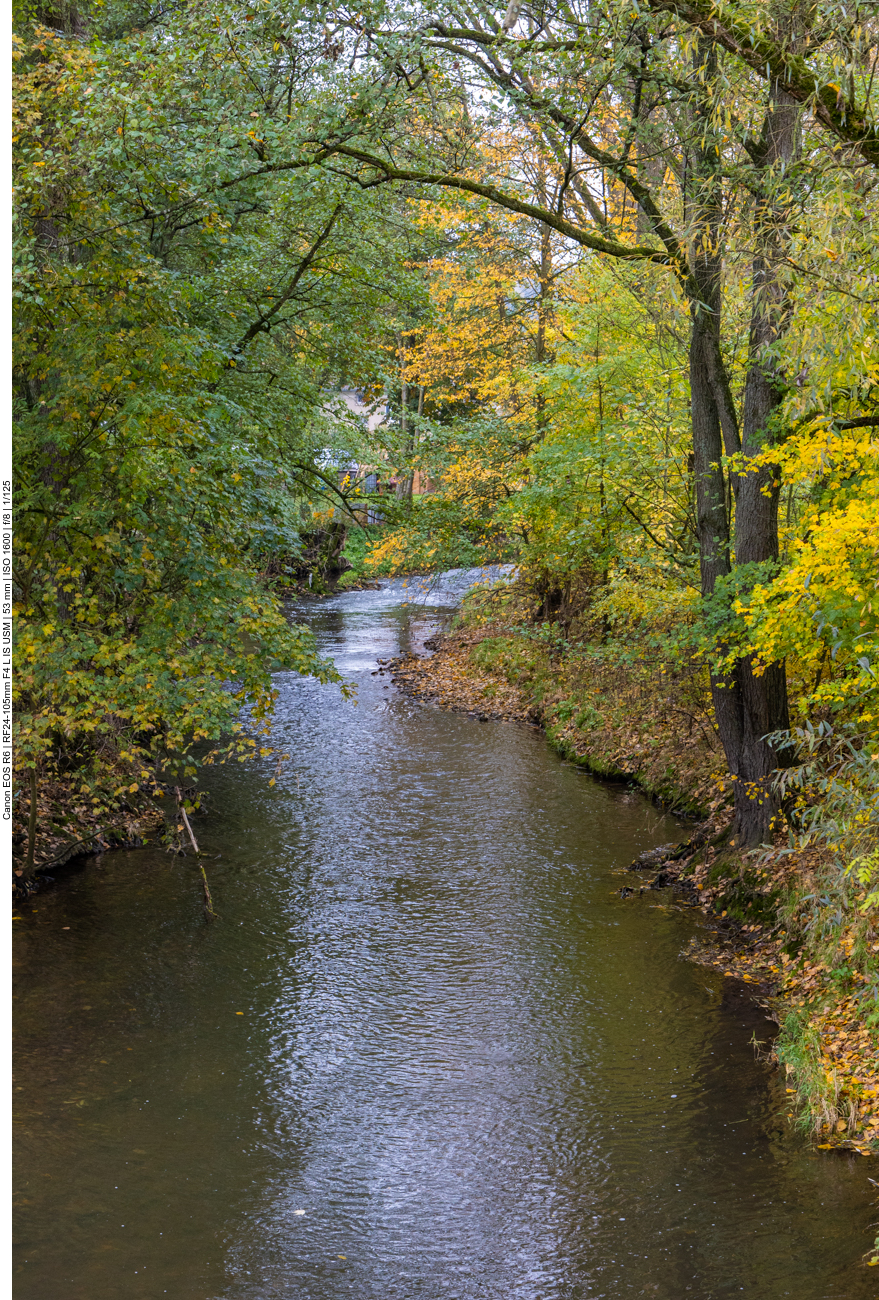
(742, 891)
(591, 762)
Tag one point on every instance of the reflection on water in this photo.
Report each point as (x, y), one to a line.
(426, 1052)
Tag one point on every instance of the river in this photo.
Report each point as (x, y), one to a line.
(426, 1052)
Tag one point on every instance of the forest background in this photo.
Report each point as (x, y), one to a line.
(611, 273)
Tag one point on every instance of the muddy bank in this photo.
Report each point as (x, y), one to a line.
(66, 828)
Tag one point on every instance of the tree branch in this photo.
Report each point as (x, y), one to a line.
(614, 248)
(263, 322)
(718, 21)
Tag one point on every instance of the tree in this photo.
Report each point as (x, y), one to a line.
(229, 166)
(611, 89)
(174, 344)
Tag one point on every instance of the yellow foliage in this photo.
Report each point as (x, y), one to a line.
(822, 611)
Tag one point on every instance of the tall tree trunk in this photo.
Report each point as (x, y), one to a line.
(748, 705)
(764, 700)
(404, 483)
(708, 417)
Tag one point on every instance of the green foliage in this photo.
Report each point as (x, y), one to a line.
(178, 320)
(507, 657)
(439, 532)
(831, 789)
(607, 487)
(830, 796)
(359, 541)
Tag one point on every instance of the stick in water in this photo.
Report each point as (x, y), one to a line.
(32, 823)
(188, 827)
(209, 912)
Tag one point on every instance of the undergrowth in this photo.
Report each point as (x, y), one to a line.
(620, 710)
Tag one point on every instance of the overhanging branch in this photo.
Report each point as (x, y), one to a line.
(831, 106)
(614, 248)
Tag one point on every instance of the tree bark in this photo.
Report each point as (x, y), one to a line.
(764, 700)
(748, 704)
(705, 216)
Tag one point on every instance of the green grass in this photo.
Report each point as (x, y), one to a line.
(358, 542)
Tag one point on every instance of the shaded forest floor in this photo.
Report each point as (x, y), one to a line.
(645, 723)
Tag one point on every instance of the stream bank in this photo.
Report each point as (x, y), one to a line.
(70, 828)
(650, 726)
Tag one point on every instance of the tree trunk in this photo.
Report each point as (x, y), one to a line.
(705, 202)
(404, 484)
(747, 705)
(764, 700)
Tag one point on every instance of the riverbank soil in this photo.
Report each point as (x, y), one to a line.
(70, 822)
(647, 723)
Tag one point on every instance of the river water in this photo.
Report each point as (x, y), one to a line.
(427, 1052)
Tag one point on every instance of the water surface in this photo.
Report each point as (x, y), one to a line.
(426, 1052)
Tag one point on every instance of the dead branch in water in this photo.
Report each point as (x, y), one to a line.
(209, 913)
